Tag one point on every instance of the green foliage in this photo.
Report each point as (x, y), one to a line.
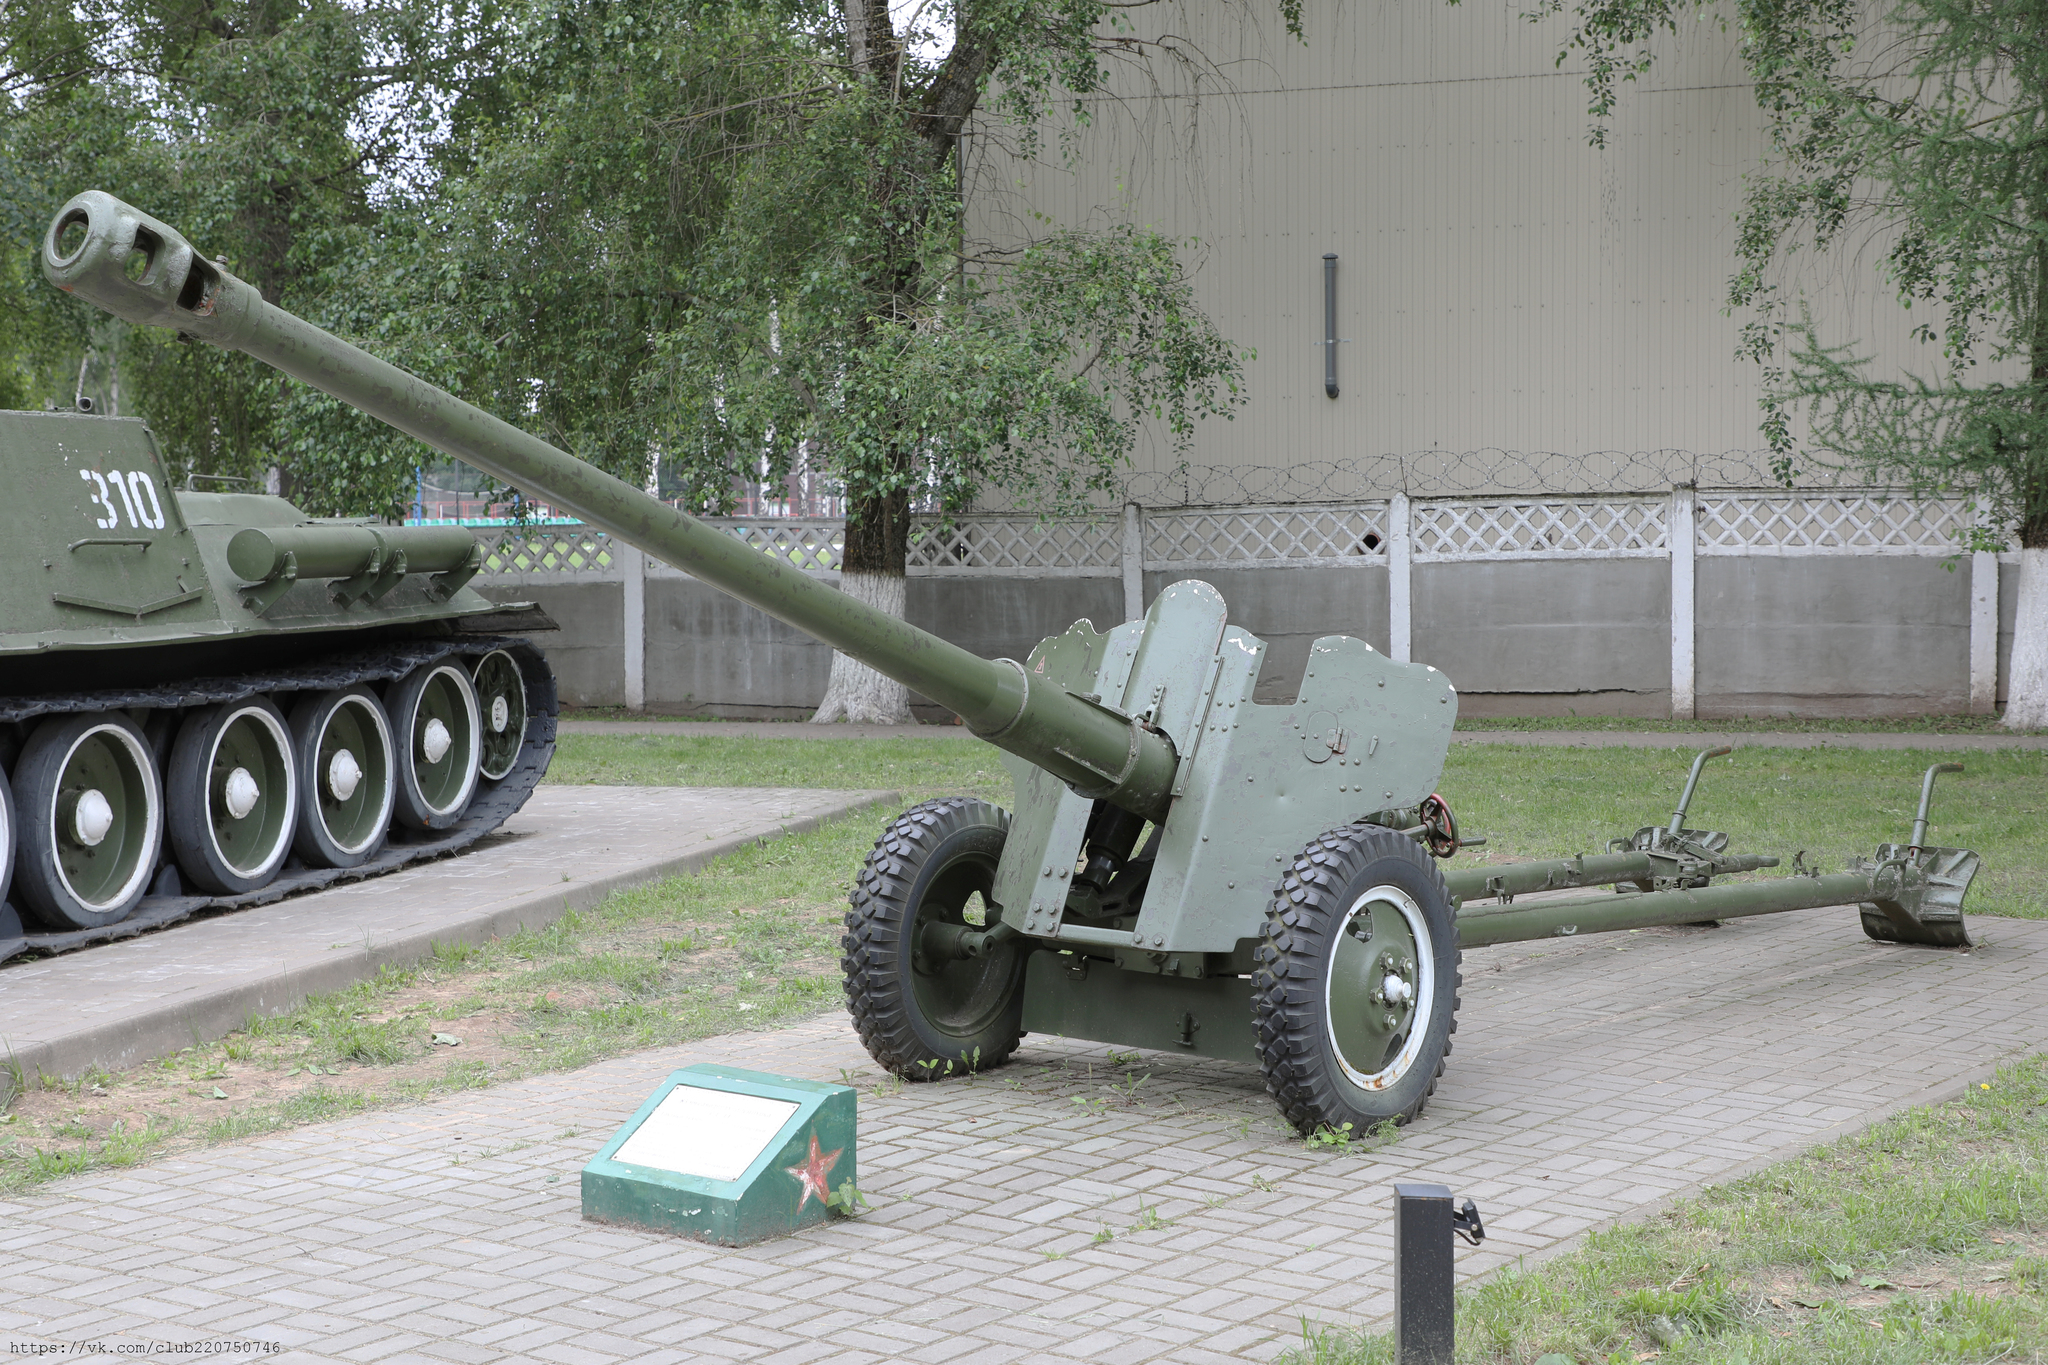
(1922, 125)
(721, 237)
(709, 236)
(260, 128)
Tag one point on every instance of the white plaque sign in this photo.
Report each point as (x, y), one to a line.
(711, 1134)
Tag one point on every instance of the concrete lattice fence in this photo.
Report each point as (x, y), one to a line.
(1710, 602)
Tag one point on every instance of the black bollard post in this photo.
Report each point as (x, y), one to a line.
(1425, 1328)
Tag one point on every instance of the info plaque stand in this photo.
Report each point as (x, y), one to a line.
(726, 1155)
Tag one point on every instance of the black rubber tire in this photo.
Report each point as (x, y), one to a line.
(315, 841)
(1290, 988)
(191, 792)
(928, 861)
(428, 796)
(45, 890)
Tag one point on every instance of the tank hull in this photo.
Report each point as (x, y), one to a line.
(166, 642)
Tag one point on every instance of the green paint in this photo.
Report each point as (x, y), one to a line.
(783, 1189)
(116, 558)
(1078, 997)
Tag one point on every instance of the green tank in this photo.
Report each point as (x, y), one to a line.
(212, 700)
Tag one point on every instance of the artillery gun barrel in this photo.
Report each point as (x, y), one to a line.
(1482, 926)
(146, 273)
(1591, 869)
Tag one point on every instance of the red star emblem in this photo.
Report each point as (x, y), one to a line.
(815, 1174)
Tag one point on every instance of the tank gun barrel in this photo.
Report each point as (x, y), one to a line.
(144, 272)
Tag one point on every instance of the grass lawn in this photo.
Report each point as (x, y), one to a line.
(1831, 803)
(752, 942)
(1528, 802)
(1910, 725)
(1922, 725)
(1921, 1239)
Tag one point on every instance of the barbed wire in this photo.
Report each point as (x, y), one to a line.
(1421, 474)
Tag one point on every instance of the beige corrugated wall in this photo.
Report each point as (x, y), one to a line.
(1501, 283)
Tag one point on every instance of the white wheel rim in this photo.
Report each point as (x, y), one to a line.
(152, 828)
(6, 841)
(1425, 988)
(426, 741)
(281, 738)
(382, 730)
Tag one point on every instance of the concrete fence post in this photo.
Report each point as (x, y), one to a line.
(1983, 633)
(1683, 535)
(1400, 599)
(1134, 562)
(633, 624)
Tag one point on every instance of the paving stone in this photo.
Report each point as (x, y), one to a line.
(1579, 1093)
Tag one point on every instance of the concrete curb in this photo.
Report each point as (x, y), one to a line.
(158, 1032)
(759, 729)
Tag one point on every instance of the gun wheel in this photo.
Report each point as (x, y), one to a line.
(922, 1012)
(1356, 993)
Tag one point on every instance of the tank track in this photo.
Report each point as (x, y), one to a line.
(494, 803)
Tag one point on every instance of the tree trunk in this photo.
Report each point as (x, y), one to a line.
(871, 572)
(878, 527)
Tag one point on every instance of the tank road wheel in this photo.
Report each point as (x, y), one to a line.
(501, 703)
(924, 1010)
(434, 732)
(93, 821)
(232, 795)
(1356, 994)
(342, 745)
(6, 836)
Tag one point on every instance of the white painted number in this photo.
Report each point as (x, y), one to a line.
(121, 486)
(139, 483)
(137, 492)
(99, 499)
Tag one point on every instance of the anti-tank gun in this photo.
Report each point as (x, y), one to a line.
(1186, 869)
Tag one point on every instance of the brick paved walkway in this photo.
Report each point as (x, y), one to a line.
(1594, 1078)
